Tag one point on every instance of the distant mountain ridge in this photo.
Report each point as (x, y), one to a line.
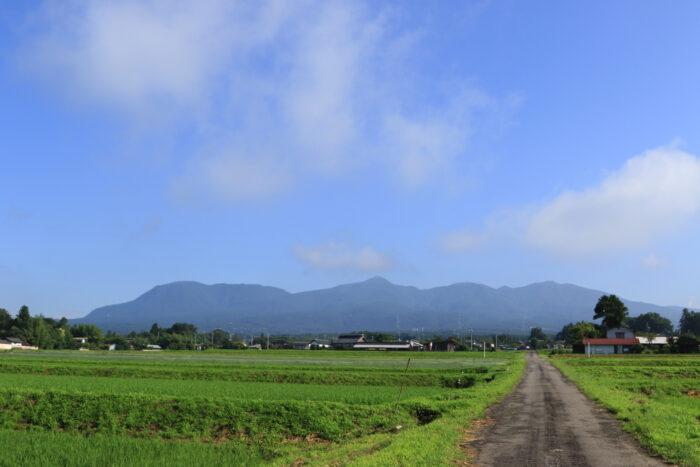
(374, 304)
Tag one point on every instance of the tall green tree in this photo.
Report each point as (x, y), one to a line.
(690, 322)
(575, 333)
(538, 339)
(23, 318)
(38, 333)
(652, 323)
(5, 322)
(612, 310)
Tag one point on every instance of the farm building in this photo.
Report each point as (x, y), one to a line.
(347, 341)
(618, 340)
(314, 344)
(320, 344)
(443, 346)
(5, 344)
(14, 342)
(658, 340)
(608, 345)
(399, 345)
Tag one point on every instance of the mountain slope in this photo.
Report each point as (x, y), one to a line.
(374, 304)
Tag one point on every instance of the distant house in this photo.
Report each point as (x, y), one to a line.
(443, 346)
(320, 344)
(5, 344)
(398, 345)
(618, 340)
(347, 341)
(658, 340)
(314, 344)
(153, 348)
(255, 346)
(14, 342)
(80, 340)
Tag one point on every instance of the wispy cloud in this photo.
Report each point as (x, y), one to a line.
(342, 257)
(312, 83)
(651, 196)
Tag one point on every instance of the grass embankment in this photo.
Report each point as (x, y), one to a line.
(656, 398)
(171, 409)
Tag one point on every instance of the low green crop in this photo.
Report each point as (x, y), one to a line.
(239, 408)
(352, 394)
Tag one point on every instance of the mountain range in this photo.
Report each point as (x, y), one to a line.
(374, 304)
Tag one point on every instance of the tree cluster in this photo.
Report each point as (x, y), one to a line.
(48, 333)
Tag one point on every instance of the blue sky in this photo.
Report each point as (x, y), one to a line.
(306, 144)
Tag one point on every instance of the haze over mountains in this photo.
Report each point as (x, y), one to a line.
(375, 304)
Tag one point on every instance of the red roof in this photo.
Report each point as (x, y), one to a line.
(610, 341)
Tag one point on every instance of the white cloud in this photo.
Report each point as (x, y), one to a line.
(315, 83)
(133, 54)
(341, 257)
(652, 195)
(321, 98)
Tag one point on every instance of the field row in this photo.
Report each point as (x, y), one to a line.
(325, 358)
(162, 388)
(274, 374)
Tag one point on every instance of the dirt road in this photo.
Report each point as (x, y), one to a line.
(547, 421)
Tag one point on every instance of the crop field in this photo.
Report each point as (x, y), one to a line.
(233, 408)
(656, 397)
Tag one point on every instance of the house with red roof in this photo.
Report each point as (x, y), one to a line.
(617, 340)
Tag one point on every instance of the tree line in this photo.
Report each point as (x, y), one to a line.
(49, 333)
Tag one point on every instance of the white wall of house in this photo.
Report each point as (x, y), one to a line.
(623, 333)
(602, 349)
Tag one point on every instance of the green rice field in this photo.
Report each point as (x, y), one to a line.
(243, 407)
(656, 397)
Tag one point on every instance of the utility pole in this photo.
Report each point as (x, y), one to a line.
(471, 339)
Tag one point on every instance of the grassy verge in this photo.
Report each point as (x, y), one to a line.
(653, 396)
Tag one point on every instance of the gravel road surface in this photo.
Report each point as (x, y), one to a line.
(547, 421)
